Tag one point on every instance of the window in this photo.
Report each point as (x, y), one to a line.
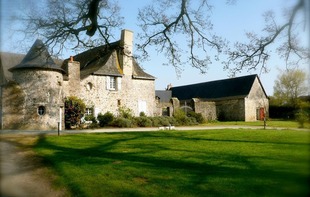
(89, 111)
(41, 110)
(142, 106)
(113, 83)
(89, 86)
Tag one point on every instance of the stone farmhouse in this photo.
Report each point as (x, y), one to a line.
(33, 87)
(235, 99)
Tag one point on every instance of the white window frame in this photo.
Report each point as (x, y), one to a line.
(89, 111)
(113, 83)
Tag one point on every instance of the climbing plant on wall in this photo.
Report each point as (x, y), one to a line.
(74, 111)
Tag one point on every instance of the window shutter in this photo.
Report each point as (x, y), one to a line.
(108, 83)
(119, 83)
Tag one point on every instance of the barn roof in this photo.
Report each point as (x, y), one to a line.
(234, 87)
(38, 57)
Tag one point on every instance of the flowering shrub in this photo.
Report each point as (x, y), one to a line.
(74, 111)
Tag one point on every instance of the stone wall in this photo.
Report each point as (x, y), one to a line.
(13, 111)
(135, 94)
(206, 108)
(163, 109)
(255, 100)
(128, 93)
(33, 89)
(73, 85)
(230, 110)
(142, 93)
(127, 53)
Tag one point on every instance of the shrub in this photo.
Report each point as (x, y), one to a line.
(74, 111)
(91, 118)
(191, 121)
(302, 117)
(163, 121)
(172, 121)
(181, 117)
(198, 116)
(93, 125)
(142, 114)
(122, 122)
(105, 119)
(143, 121)
(160, 121)
(155, 121)
(125, 113)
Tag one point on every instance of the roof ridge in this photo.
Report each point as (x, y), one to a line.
(218, 80)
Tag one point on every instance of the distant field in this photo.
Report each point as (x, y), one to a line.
(181, 163)
(269, 123)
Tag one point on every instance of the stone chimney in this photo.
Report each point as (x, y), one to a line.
(74, 77)
(127, 53)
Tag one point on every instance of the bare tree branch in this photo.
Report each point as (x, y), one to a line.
(161, 27)
(63, 22)
(254, 54)
(79, 24)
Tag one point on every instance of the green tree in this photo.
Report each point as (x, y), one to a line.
(289, 86)
(74, 111)
(88, 23)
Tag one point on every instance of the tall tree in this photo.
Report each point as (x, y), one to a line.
(289, 86)
(88, 23)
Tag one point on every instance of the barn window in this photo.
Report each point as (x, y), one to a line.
(41, 110)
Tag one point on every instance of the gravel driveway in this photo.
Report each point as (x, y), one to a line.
(21, 173)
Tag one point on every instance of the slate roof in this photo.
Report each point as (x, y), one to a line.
(213, 90)
(7, 61)
(164, 95)
(38, 57)
(103, 60)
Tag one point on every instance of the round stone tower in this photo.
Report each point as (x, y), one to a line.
(41, 80)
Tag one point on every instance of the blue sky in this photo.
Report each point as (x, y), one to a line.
(230, 21)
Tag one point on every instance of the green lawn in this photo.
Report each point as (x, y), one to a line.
(181, 163)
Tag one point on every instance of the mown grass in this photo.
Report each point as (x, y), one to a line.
(188, 163)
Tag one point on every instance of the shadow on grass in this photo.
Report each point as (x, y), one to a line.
(170, 170)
